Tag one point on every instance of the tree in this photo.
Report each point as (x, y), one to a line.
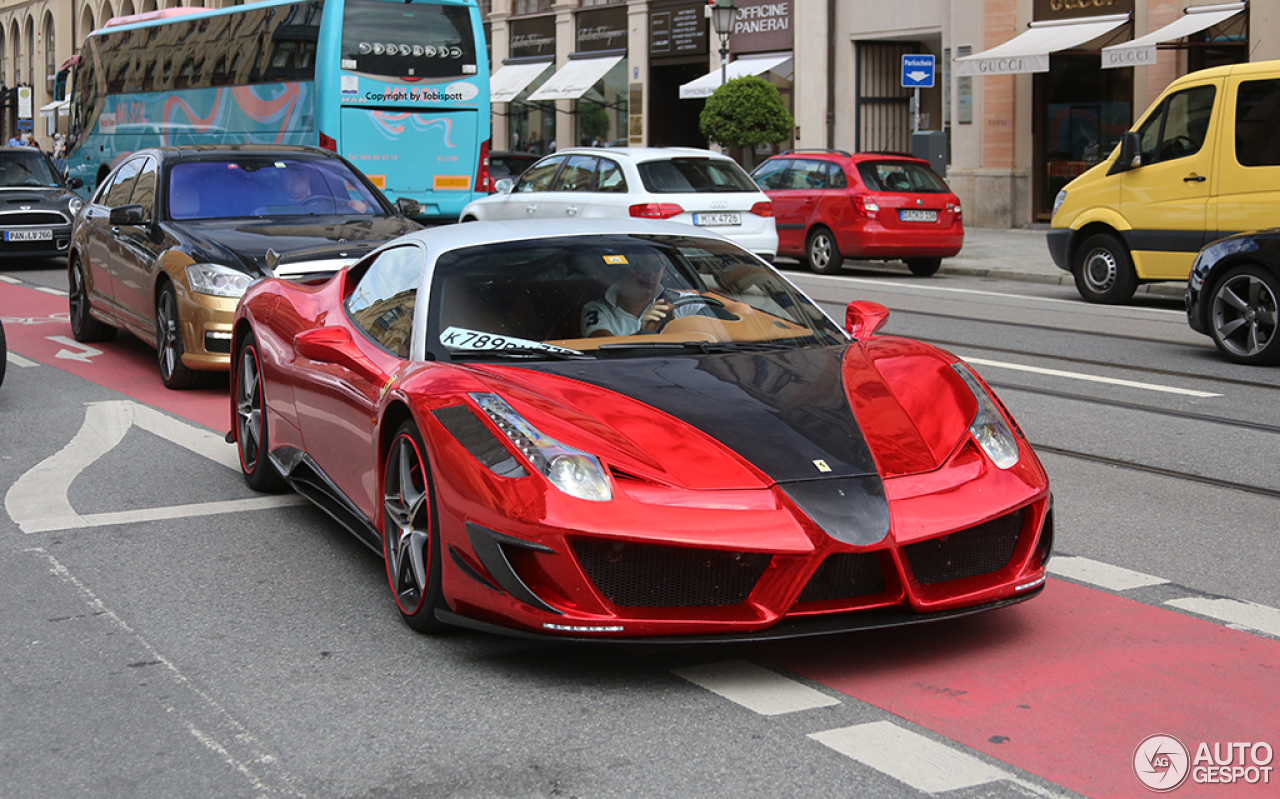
(593, 121)
(746, 112)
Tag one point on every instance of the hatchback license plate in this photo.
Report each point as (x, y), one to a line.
(918, 216)
(717, 219)
(28, 235)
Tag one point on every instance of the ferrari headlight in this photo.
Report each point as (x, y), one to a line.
(217, 280)
(989, 427)
(572, 471)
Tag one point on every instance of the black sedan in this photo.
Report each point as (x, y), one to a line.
(174, 235)
(1232, 296)
(36, 205)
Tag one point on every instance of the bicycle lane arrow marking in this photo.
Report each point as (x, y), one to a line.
(85, 351)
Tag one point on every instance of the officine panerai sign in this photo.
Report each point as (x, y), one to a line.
(762, 26)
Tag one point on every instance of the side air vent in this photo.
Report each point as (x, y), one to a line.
(473, 434)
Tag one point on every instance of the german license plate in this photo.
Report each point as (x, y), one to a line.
(28, 235)
(717, 219)
(918, 216)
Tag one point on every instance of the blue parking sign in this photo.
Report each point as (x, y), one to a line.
(917, 71)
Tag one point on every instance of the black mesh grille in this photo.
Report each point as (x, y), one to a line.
(42, 218)
(968, 553)
(472, 434)
(656, 576)
(845, 575)
(217, 344)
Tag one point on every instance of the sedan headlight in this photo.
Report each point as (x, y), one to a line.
(1058, 201)
(989, 427)
(217, 280)
(572, 471)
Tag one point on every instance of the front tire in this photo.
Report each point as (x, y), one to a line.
(1243, 316)
(822, 252)
(923, 267)
(169, 346)
(83, 326)
(410, 532)
(253, 442)
(1104, 270)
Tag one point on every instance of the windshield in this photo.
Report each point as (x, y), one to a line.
(615, 296)
(408, 40)
(26, 169)
(267, 187)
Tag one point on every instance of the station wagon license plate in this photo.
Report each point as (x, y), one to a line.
(28, 235)
(717, 219)
(918, 216)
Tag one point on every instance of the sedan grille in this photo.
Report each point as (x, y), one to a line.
(968, 553)
(845, 575)
(32, 218)
(656, 576)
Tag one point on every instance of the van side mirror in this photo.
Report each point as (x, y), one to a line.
(1130, 153)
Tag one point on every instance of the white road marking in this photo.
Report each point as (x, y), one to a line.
(1103, 575)
(17, 360)
(909, 757)
(47, 290)
(755, 687)
(1234, 612)
(83, 355)
(13, 281)
(37, 502)
(1089, 378)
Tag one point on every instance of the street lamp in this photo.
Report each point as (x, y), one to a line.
(722, 14)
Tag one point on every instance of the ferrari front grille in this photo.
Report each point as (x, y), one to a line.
(845, 575)
(657, 576)
(968, 553)
(474, 435)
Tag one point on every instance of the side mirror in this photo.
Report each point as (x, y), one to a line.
(126, 215)
(334, 345)
(863, 318)
(74, 183)
(504, 186)
(408, 206)
(1130, 155)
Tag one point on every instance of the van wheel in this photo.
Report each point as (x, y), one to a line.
(1104, 271)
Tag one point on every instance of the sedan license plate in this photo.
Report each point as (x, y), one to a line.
(717, 219)
(918, 216)
(28, 235)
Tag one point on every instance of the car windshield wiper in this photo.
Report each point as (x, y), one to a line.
(703, 346)
(522, 353)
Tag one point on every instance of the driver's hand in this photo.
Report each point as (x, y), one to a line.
(655, 315)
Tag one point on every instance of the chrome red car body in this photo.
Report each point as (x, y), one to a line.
(699, 538)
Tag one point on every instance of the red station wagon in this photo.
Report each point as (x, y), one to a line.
(830, 205)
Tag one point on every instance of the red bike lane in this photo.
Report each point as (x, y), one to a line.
(36, 327)
(1067, 685)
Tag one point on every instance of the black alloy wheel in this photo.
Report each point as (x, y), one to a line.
(169, 347)
(410, 533)
(83, 326)
(822, 252)
(252, 441)
(1243, 315)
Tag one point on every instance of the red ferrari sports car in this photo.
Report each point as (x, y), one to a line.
(633, 430)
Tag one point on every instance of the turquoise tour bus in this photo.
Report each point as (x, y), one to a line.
(398, 87)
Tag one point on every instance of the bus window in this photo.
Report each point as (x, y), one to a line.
(433, 41)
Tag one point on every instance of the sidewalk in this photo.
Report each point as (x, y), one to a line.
(1017, 254)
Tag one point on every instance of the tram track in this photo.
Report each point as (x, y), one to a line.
(1121, 463)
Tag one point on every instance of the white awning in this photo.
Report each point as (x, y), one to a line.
(1142, 51)
(749, 65)
(575, 78)
(512, 79)
(1029, 52)
(59, 107)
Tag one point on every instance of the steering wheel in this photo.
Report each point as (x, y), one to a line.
(687, 299)
(314, 204)
(1181, 145)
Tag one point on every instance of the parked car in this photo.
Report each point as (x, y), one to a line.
(1233, 293)
(696, 187)
(173, 236)
(546, 459)
(830, 205)
(1202, 162)
(37, 205)
(505, 165)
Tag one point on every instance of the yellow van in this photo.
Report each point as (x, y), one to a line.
(1203, 162)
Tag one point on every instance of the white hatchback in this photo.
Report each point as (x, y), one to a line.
(696, 187)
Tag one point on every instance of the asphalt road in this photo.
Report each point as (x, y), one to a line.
(170, 633)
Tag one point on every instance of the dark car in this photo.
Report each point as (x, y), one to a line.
(508, 165)
(174, 235)
(36, 205)
(830, 205)
(1232, 296)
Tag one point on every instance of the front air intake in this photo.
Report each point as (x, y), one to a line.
(657, 576)
(967, 553)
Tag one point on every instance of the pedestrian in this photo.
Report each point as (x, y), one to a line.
(15, 141)
(59, 146)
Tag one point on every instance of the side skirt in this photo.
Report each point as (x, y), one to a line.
(309, 480)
